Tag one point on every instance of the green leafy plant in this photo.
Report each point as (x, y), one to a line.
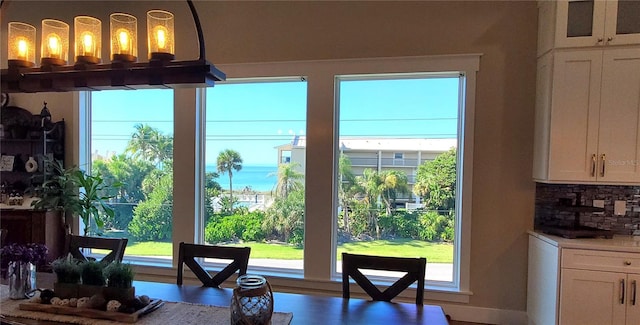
(73, 191)
(119, 275)
(92, 198)
(93, 273)
(67, 270)
(59, 191)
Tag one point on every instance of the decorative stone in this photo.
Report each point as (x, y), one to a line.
(113, 305)
(84, 302)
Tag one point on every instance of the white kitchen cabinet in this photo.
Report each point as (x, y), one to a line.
(583, 281)
(592, 297)
(588, 117)
(580, 23)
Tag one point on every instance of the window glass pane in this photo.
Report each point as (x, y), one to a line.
(580, 20)
(132, 143)
(628, 13)
(255, 135)
(397, 170)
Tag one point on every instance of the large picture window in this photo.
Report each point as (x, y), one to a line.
(398, 168)
(132, 143)
(254, 189)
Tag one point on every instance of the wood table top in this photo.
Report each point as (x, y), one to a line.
(306, 309)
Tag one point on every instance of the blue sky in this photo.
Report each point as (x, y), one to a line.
(254, 118)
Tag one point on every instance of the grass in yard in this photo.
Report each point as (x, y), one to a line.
(434, 252)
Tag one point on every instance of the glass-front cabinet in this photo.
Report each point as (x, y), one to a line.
(597, 23)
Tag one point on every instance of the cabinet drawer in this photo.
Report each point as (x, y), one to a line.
(601, 260)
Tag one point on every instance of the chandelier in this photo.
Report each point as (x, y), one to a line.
(86, 71)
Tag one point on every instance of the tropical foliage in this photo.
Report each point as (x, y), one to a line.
(367, 202)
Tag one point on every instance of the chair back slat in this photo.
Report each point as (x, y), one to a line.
(414, 268)
(3, 236)
(117, 246)
(189, 252)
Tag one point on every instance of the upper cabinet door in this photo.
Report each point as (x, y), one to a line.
(575, 103)
(580, 23)
(619, 135)
(622, 22)
(597, 23)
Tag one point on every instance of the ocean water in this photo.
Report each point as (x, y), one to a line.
(259, 178)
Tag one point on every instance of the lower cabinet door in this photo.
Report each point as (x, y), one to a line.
(633, 299)
(593, 297)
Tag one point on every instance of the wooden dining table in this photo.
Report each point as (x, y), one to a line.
(306, 309)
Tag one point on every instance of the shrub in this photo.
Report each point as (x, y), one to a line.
(153, 218)
(297, 237)
(247, 227)
(401, 224)
(436, 227)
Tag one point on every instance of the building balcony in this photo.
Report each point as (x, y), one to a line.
(384, 162)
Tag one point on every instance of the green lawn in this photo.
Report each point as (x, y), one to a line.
(434, 252)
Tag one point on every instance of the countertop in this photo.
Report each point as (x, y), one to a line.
(619, 243)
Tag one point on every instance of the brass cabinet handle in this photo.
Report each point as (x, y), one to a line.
(593, 165)
(622, 292)
(599, 40)
(627, 263)
(633, 295)
(603, 159)
(609, 39)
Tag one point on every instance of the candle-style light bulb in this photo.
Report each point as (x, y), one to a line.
(161, 39)
(123, 37)
(54, 46)
(23, 49)
(87, 44)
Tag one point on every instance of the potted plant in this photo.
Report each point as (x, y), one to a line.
(119, 282)
(68, 273)
(92, 199)
(76, 193)
(93, 279)
(59, 193)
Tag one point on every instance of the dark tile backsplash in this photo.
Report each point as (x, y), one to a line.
(548, 213)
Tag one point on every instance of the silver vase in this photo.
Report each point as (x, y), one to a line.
(22, 279)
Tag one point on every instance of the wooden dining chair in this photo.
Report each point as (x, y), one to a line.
(3, 236)
(188, 253)
(415, 268)
(75, 244)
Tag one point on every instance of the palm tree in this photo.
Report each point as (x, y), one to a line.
(228, 161)
(141, 141)
(371, 187)
(394, 182)
(346, 188)
(150, 144)
(289, 179)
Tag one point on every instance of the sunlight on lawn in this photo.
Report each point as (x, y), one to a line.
(435, 252)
